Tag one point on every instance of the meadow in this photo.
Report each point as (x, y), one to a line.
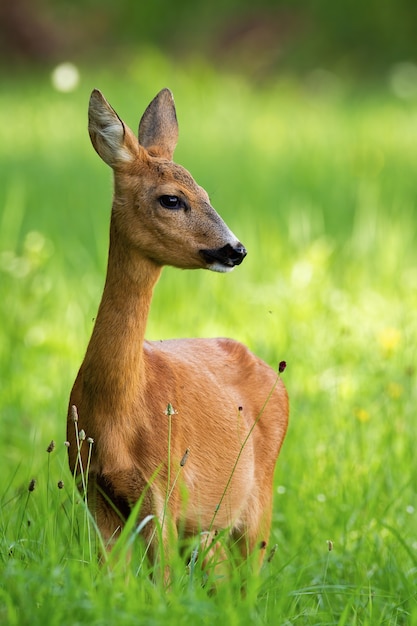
(321, 187)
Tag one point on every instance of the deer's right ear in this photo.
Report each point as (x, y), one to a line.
(109, 135)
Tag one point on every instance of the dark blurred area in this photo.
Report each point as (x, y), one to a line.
(351, 37)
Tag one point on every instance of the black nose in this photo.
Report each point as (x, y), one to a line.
(227, 255)
(235, 254)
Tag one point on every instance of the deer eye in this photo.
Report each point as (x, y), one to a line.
(171, 202)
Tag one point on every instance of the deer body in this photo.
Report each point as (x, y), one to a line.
(216, 387)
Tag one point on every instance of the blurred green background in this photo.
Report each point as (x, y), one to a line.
(350, 36)
(300, 120)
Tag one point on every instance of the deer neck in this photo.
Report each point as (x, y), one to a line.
(114, 362)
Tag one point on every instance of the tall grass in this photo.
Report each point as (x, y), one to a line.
(322, 191)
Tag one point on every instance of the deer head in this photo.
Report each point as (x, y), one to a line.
(158, 209)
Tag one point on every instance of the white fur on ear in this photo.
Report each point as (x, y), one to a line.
(107, 131)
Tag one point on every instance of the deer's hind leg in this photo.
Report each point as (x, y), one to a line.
(112, 497)
(252, 533)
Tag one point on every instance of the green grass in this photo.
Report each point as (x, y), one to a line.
(322, 190)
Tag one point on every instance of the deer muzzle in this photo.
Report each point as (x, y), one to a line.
(224, 259)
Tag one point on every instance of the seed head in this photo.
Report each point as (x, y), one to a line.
(67, 444)
(82, 434)
(185, 457)
(32, 485)
(272, 553)
(51, 447)
(330, 545)
(74, 413)
(90, 440)
(282, 365)
(170, 410)
(60, 484)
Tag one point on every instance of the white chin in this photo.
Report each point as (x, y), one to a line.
(219, 267)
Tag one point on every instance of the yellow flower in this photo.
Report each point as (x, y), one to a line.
(362, 415)
(389, 339)
(395, 390)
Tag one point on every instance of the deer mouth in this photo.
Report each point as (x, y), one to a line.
(224, 259)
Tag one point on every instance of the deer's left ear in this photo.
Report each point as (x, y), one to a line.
(158, 128)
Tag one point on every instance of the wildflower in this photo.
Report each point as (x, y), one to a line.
(389, 339)
(362, 415)
(395, 390)
(74, 413)
(282, 365)
(82, 434)
(90, 440)
(51, 447)
(185, 457)
(272, 553)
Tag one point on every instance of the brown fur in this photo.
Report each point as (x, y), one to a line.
(217, 387)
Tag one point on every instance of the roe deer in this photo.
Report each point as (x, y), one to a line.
(229, 409)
